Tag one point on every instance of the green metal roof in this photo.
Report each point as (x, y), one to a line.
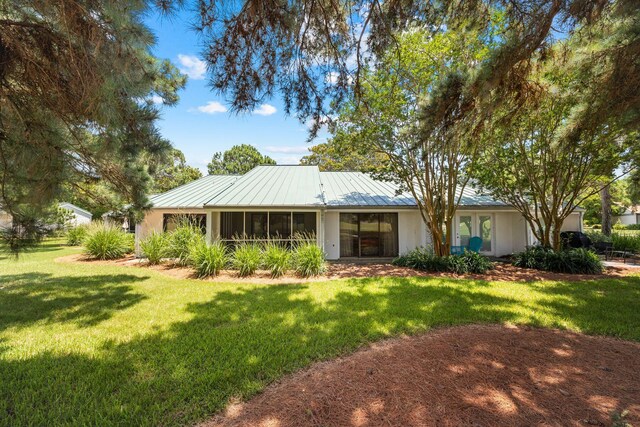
(274, 186)
(297, 186)
(194, 194)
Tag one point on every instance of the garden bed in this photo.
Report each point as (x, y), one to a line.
(340, 270)
(469, 375)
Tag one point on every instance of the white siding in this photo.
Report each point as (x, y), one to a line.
(627, 219)
(5, 220)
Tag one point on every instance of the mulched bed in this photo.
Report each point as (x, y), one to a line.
(471, 375)
(339, 270)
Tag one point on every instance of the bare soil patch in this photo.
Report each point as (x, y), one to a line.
(474, 375)
(501, 272)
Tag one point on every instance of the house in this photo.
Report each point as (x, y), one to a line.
(630, 216)
(80, 216)
(351, 214)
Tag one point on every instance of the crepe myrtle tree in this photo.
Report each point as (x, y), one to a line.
(426, 143)
(531, 164)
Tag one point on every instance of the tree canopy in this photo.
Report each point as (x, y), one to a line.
(76, 83)
(237, 160)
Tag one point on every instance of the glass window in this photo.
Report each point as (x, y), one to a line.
(484, 222)
(256, 225)
(389, 234)
(304, 222)
(279, 225)
(171, 221)
(231, 225)
(464, 229)
(349, 235)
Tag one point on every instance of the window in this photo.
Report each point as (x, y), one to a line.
(231, 225)
(266, 225)
(171, 221)
(368, 234)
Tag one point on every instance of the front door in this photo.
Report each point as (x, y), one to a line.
(475, 224)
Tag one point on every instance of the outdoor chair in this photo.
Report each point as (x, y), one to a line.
(475, 244)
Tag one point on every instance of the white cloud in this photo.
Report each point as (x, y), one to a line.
(157, 99)
(287, 160)
(332, 77)
(288, 149)
(192, 66)
(265, 110)
(212, 107)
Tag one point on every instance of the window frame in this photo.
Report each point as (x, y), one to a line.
(246, 237)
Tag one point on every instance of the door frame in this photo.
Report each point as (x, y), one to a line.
(475, 222)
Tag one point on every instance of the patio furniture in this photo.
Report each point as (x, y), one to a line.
(575, 239)
(457, 250)
(603, 248)
(475, 244)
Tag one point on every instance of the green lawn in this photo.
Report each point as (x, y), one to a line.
(108, 345)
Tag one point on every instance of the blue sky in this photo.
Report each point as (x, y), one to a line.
(200, 125)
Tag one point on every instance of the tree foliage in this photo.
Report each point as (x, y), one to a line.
(339, 154)
(171, 171)
(237, 160)
(76, 79)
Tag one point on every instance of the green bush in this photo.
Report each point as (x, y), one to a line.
(181, 240)
(573, 261)
(108, 242)
(308, 259)
(625, 242)
(598, 237)
(209, 260)
(277, 259)
(155, 247)
(247, 258)
(77, 235)
(426, 260)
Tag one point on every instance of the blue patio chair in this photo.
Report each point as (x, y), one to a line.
(457, 250)
(475, 244)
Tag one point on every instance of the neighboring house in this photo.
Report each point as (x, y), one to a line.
(351, 214)
(630, 216)
(80, 216)
(5, 220)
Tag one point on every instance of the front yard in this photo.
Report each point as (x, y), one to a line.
(101, 344)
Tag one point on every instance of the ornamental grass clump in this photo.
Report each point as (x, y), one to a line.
(76, 235)
(155, 247)
(209, 260)
(276, 259)
(181, 240)
(108, 242)
(247, 258)
(426, 260)
(308, 259)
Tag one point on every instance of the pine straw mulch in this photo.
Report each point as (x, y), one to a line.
(340, 270)
(474, 375)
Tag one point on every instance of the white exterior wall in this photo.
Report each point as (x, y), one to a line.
(627, 219)
(153, 222)
(79, 219)
(5, 220)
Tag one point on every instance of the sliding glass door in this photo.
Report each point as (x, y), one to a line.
(368, 235)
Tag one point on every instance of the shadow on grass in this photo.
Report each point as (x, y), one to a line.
(84, 300)
(241, 340)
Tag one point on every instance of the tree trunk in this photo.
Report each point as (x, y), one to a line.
(605, 201)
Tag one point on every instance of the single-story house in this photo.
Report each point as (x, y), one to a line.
(351, 214)
(629, 217)
(80, 216)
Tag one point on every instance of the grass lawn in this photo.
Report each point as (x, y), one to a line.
(91, 344)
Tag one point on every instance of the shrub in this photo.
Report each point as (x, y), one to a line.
(247, 258)
(425, 259)
(155, 247)
(308, 259)
(209, 260)
(277, 259)
(573, 261)
(598, 237)
(182, 240)
(77, 235)
(625, 242)
(108, 242)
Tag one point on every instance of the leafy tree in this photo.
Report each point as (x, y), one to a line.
(76, 81)
(427, 153)
(531, 165)
(172, 171)
(339, 154)
(237, 160)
